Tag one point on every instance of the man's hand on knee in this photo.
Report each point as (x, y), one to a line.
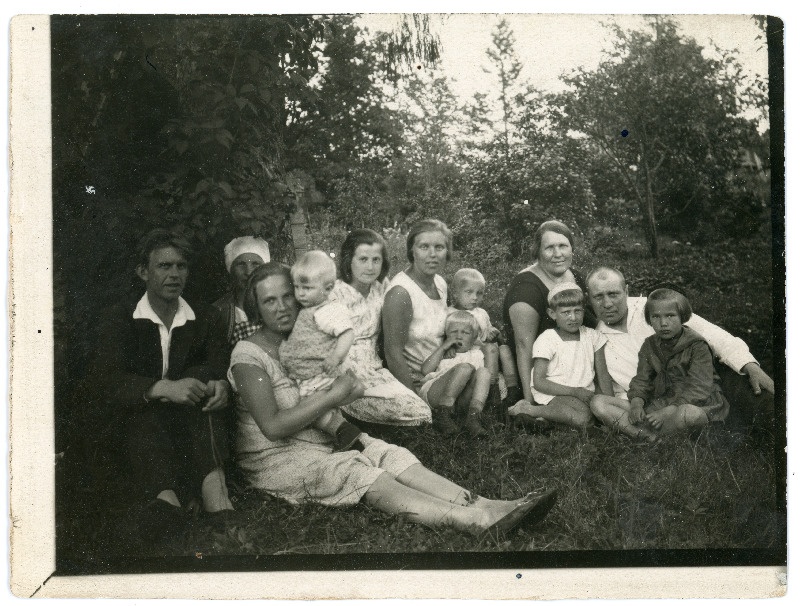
(758, 378)
(218, 392)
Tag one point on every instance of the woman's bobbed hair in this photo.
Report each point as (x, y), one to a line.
(354, 239)
(427, 225)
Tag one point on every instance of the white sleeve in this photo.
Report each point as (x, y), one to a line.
(731, 351)
(333, 319)
(598, 339)
(543, 347)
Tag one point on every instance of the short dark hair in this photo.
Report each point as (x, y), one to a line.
(157, 239)
(567, 298)
(354, 239)
(667, 294)
(554, 226)
(426, 225)
(261, 273)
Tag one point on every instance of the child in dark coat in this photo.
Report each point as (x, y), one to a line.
(675, 386)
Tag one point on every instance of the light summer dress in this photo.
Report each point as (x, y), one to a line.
(386, 400)
(426, 331)
(303, 467)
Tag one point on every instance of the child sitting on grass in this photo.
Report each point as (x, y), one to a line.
(319, 341)
(467, 289)
(566, 360)
(675, 387)
(471, 385)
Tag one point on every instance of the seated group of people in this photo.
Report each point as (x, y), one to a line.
(300, 350)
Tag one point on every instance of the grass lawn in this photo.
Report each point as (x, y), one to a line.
(721, 488)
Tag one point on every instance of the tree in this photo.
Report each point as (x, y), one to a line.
(520, 173)
(428, 175)
(349, 120)
(166, 121)
(668, 119)
(506, 68)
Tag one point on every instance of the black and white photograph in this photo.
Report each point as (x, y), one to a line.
(426, 292)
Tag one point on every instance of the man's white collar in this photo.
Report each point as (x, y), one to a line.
(144, 311)
(605, 328)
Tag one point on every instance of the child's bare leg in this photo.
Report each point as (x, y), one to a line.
(329, 422)
(566, 410)
(476, 391)
(613, 412)
(671, 419)
(442, 396)
(448, 387)
(346, 434)
(513, 389)
(475, 395)
(491, 359)
(508, 366)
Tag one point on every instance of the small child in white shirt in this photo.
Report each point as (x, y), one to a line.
(566, 360)
(469, 388)
(319, 342)
(467, 290)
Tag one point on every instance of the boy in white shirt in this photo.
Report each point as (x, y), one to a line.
(566, 360)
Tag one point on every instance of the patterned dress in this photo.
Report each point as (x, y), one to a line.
(386, 400)
(303, 467)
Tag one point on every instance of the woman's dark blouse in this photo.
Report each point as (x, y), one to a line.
(527, 287)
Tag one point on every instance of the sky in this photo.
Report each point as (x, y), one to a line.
(548, 45)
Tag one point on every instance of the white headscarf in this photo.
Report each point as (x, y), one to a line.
(243, 245)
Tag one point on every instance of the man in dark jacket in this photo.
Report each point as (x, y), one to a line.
(160, 378)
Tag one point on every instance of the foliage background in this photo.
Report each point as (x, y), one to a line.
(219, 127)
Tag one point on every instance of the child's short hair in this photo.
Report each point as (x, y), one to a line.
(667, 294)
(460, 316)
(315, 264)
(467, 274)
(567, 294)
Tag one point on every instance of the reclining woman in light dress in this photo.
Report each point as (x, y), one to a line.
(281, 454)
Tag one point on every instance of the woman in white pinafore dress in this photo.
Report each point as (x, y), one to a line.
(414, 313)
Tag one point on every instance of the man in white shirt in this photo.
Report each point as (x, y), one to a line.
(160, 380)
(621, 319)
